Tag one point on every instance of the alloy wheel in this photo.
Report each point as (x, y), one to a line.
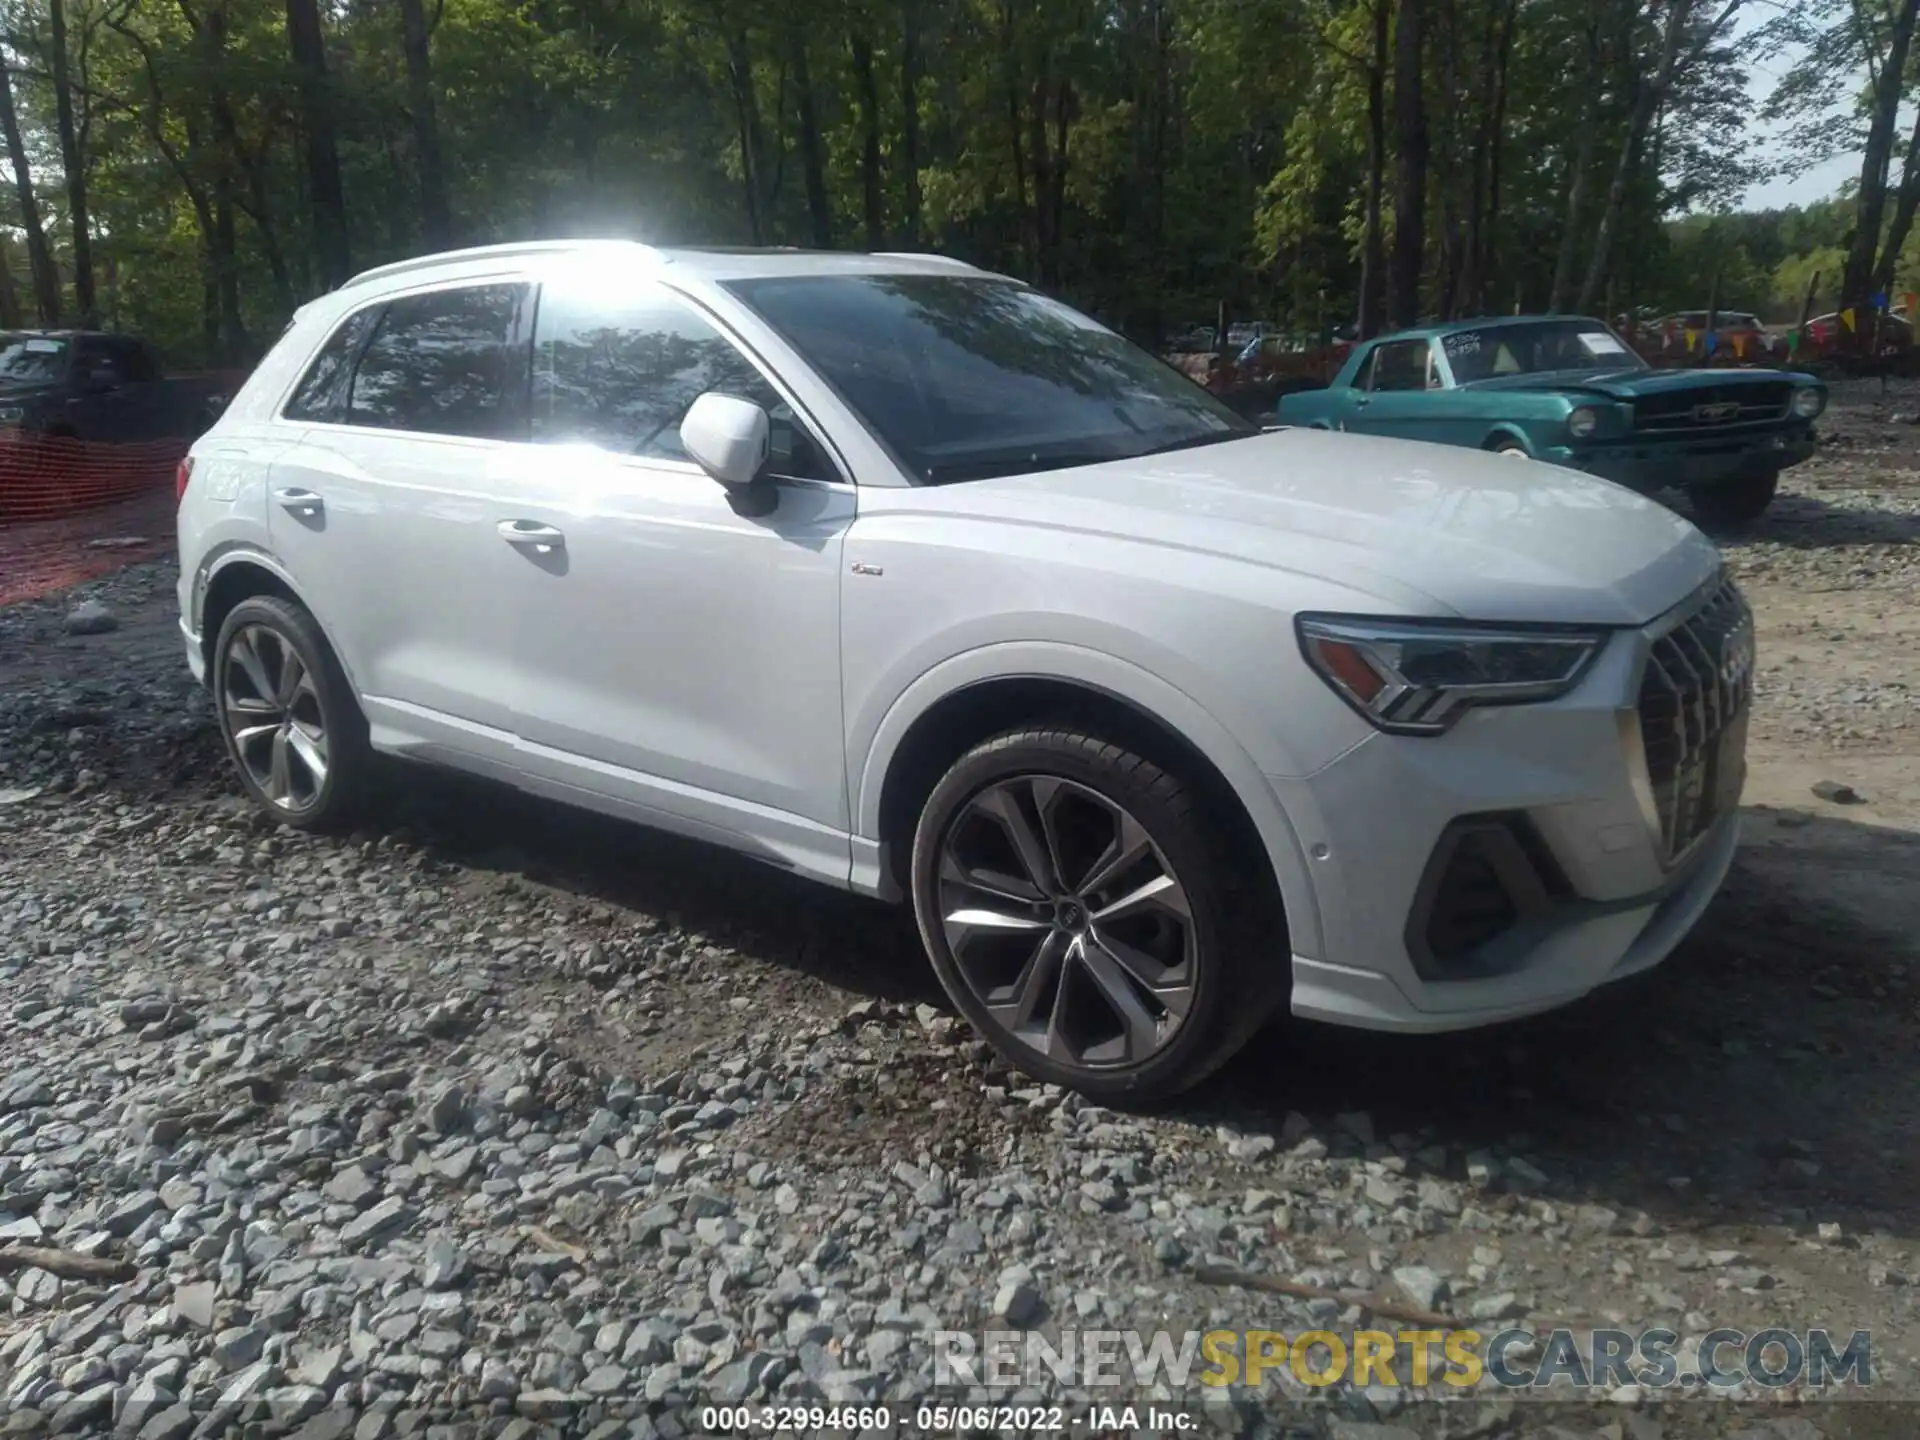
(272, 712)
(1067, 922)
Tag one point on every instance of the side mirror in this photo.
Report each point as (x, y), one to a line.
(727, 437)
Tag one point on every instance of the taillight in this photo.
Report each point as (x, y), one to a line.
(181, 476)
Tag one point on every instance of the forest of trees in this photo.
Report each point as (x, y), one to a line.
(193, 169)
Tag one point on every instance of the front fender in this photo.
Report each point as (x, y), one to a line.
(1124, 681)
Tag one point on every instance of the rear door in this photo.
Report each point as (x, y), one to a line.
(385, 510)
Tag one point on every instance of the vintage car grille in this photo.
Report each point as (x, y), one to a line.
(1694, 698)
(1713, 406)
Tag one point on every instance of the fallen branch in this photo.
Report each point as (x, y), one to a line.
(554, 1245)
(67, 1264)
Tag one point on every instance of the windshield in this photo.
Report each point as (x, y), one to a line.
(31, 358)
(1536, 349)
(966, 378)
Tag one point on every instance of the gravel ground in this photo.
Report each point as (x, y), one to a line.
(499, 1119)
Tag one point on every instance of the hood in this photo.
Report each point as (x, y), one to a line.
(1429, 529)
(1624, 384)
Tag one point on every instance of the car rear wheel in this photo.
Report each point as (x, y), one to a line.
(1734, 502)
(288, 715)
(1079, 910)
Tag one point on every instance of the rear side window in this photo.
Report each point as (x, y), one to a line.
(321, 393)
(441, 364)
(622, 376)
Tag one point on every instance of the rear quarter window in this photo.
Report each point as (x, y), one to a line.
(321, 395)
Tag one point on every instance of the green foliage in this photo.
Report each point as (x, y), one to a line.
(1148, 159)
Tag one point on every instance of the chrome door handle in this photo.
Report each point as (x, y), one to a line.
(528, 532)
(300, 502)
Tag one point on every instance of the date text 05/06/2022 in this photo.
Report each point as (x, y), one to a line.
(947, 1419)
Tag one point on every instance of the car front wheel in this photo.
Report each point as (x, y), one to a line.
(288, 716)
(1081, 912)
(1734, 502)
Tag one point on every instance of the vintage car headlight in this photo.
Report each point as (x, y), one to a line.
(1583, 422)
(1808, 403)
(12, 414)
(1412, 677)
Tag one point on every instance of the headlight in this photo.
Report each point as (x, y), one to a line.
(1583, 422)
(1414, 678)
(12, 414)
(1808, 403)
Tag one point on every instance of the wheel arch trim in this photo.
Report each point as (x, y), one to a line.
(235, 553)
(1123, 683)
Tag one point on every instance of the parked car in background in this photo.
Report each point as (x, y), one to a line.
(1569, 391)
(905, 577)
(84, 385)
(1893, 334)
(1737, 334)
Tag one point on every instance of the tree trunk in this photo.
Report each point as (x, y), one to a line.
(910, 117)
(46, 275)
(747, 114)
(327, 196)
(1646, 105)
(1028, 241)
(1496, 145)
(812, 153)
(1906, 199)
(1581, 165)
(1410, 172)
(1054, 200)
(436, 218)
(1373, 261)
(10, 317)
(74, 164)
(868, 95)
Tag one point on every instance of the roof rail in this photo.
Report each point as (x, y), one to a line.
(926, 255)
(522, 249)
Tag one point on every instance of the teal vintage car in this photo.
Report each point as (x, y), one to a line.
(1571, 392)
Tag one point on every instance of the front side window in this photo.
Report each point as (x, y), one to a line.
(621, 375)
(1402, 365)
(439, 364)
(965, 378)
(321, 395)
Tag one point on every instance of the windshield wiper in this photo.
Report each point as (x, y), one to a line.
(1194, 442)
(1001, 465)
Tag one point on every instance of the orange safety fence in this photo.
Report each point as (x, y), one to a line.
(74, 510)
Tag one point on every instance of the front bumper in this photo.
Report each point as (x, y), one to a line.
(1659, 464)
(1590, 877)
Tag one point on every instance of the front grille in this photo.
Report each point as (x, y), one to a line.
(1694, 697)
(1713, 407)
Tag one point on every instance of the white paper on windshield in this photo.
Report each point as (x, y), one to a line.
(44, 347)
(1598, 343)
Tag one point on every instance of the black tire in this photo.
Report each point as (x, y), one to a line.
(1733, 503)
(323, 709)
(1237, 965)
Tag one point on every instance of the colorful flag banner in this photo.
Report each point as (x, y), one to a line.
(1846, 318)
(1793, 342)
(1713, 341)
(1740, 345)
(1693, 341)
(1880, 301)
(1913, 302)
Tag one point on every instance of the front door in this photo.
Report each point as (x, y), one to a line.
(678, 650)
